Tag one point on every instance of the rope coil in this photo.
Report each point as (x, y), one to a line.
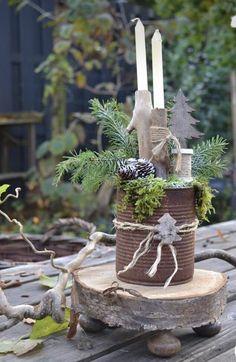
(161, 136)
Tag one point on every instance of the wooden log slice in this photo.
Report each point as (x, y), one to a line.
(198, 302)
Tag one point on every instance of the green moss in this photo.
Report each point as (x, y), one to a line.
(203, 195)
(146, 194)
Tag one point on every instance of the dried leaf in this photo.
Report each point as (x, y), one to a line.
(57, 145)
(42, 149)
(62, 46)
(25, 346)
(29, 321)
(18, 347)
(3, 188)
(70, 140)
(50, 282)
(77, 55)
(6, 346)
(80, 80)
(220, 235)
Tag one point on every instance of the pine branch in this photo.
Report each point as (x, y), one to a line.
(90, 169)
(207, 158)
(114, 123)
(67, 166)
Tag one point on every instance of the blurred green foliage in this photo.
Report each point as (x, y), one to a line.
(199, 55)
(88, 36)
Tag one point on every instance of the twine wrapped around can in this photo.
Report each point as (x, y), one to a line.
(180, 204)
(155, 232)
(160, 137)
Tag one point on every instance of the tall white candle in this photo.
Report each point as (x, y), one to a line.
(157, 71)
(233, 21)
(141, 61)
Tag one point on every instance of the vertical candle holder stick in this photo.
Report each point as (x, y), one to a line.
(141, 121)
(158, 134)
(146, 121)
(151, 124)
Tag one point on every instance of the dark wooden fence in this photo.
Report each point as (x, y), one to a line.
(24, 43)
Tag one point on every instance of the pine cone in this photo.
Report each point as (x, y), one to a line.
(126, 170)
(144, 168)
(131, 169)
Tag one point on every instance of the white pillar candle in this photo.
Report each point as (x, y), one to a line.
(233, 21)
(157, 71)
(141, 61)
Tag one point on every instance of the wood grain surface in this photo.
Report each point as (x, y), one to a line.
(127, 345)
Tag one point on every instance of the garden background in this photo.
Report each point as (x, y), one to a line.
(57, 55)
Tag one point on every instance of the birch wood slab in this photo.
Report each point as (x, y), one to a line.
(157, 308)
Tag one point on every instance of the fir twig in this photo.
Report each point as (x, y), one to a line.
(114, 123)
(207, 160)
(90, 168)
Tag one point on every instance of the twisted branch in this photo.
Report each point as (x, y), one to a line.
(53, 301)
(73, 221)
(50, 253)
(12, 196)
(215, 253)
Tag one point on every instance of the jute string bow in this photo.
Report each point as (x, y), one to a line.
(161, 136)
(166, 232)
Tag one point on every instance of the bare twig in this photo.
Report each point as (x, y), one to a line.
(8, 324)
(69, 222)
(50, 253)
(53, 301)
(100, 91)
(4, 284)
(88, 249)
(12, 196)
(99, 138)
(44, 14)
(123, 14)
(216, 253)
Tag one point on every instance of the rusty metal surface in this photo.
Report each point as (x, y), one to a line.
(180, 204)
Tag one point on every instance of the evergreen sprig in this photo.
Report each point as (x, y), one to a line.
(114, 123)
(207, 159)
(89, 168)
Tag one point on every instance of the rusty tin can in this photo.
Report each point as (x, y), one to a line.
(180, 204)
